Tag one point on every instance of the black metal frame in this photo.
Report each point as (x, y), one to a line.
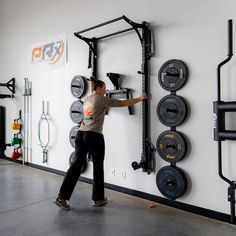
(3, 143)
(2, 131)
(146, 162)
(220, 133)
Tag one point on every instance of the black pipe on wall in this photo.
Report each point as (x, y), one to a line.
(2, 130)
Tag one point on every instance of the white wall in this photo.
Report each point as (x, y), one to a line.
(193, 31)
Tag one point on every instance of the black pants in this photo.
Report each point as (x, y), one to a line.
(94, 144)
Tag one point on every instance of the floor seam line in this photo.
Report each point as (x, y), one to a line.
(30, 204)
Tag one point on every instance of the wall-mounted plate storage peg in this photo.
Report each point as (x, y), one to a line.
(173, 75)
(172, 110)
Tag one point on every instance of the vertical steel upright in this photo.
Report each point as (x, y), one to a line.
(2, 131)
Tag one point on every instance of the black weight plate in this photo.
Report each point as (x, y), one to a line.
(72, 160)
(172, 110)
(173, 75)
(72, 135)
(76, 112)
(78, 86)
(171, 182)
(171, 146)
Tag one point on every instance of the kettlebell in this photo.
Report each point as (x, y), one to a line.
(15, 125)
(15, 140)
(16, 154)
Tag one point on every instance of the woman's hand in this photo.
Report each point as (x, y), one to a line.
(143, 96)
(132, 101)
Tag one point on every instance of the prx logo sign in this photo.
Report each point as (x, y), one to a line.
(49, 53)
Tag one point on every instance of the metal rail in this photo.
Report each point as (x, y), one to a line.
(99, 25)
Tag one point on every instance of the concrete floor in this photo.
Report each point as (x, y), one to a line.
(27, 209)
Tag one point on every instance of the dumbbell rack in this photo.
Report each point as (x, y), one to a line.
(220, 132)
(17, 146)
(171, 145)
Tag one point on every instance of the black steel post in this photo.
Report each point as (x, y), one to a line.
(147, 146)
(230, 37)
(231, 199)
(2, 131)
(94, 59)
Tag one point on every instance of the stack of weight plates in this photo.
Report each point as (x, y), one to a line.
(171, 145)
(78, 89)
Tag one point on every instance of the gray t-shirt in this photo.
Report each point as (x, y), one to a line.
(94, 111)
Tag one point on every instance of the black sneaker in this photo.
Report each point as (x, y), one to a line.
(100, 202)
(62, 203)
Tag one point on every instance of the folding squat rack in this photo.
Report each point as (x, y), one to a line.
(146, 162)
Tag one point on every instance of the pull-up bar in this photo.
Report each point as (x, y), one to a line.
(116, 33)
(99, 25)
(133, 24)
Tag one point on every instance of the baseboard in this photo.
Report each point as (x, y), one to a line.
(178, 205)
(10, 159)
(175, 204)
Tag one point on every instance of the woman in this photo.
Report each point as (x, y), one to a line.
(90, 139)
